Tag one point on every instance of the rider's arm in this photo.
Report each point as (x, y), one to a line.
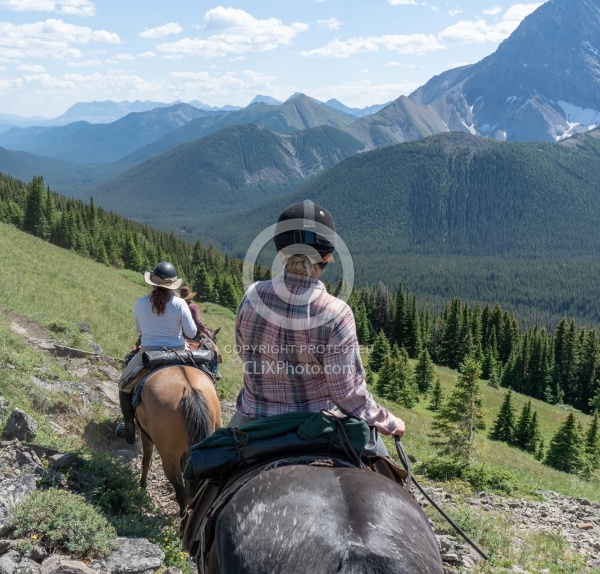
(187, 322)
(195, 311)
(345, 377)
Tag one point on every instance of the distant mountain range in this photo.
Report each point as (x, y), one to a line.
(108, 111)
(539, 86)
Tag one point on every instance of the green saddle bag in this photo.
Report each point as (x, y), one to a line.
(229, 449)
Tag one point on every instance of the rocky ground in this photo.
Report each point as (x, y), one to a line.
(95, 382)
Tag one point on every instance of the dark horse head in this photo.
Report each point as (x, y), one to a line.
(298, 519)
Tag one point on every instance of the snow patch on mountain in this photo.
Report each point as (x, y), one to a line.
(582, 116)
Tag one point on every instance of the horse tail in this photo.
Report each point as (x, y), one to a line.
(197, 415)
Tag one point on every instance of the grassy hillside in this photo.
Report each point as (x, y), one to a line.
(50, 285)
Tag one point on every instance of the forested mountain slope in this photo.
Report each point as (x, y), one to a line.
(237, 167)
(459, 215)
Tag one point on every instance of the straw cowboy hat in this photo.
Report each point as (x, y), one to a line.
(186, 293)
(163, 275)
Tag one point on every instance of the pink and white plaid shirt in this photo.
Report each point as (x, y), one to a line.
(299, 351)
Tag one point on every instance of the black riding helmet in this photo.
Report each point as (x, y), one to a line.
(305, 223)
(164, 270)
(163, 275)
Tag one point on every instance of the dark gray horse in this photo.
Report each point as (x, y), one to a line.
(310, 519)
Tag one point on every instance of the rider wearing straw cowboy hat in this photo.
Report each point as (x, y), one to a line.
(162, 319)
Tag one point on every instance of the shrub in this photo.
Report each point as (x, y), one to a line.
(112, 487)
(443, 469)
(60, 326)
(478, 476)
(483, 477)
(61, 522)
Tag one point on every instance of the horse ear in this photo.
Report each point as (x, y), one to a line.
(216, 331)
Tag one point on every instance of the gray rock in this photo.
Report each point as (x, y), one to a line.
(20, 425)
(64, 565)
(13, 490)
(13, 563)
(133, 556)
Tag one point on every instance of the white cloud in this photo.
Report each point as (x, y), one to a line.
(394, 64)
(343, 49)
(233, 31)
(364, 92)
(68, 7)
(85, 63)
(517, 12)
(31, 68)
(418, 44)
(480, 31)
(48, 39)
(125, 57)
(454, 12)
(146, 55)
(228, 86)
(492, 11)
(161, 31)
(331, 23)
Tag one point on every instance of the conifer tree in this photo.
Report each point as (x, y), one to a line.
(454, 425)
(450, 346)
(540, 451)
(592, 449)
(399, 327)
(437, 396)
(521, 433)
(586, 369)
(566, 449)
(381, 348)
(386, 381)
(131, 255)
(533, 434)
(408, 395)
(35, 221)
(424, 372)
(489, 364)
(363, 325)
(413, 330)
(504, 427)
(229, 296)
(202, 283)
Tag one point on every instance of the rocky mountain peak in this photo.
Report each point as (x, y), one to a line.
(542, 83)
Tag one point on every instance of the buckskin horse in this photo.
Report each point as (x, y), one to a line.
(297, 519)
(178, 407)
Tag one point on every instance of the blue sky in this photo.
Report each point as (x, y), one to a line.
(54, 53)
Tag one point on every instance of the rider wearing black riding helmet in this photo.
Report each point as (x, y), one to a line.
(297, 342)
(162, 319)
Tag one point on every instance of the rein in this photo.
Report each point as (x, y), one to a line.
(406, 463)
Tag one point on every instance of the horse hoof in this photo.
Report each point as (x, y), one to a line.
(123, 432)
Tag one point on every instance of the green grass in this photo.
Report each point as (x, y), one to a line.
(58, 288)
